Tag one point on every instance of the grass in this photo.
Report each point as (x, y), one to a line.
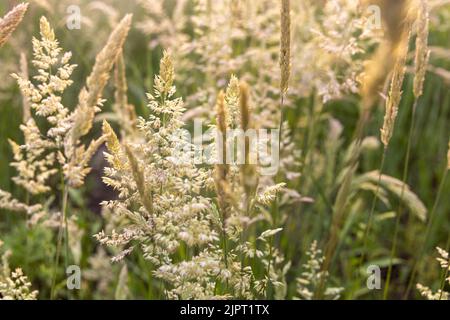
(353, 227)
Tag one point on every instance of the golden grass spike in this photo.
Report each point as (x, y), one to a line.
(105, 60)
(112, 142)
(222, 127)
(232, 102)
(221, 112)
(10, 22)
(122, 290)
(285, 45)
(376, 71)
(395, 93)
(422, 52)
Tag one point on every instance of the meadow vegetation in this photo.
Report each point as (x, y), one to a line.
(91, 174)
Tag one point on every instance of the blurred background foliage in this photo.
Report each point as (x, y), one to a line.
(305, 223)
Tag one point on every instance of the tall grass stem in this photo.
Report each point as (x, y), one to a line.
(402, 193)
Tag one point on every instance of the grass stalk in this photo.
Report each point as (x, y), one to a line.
(400, 206)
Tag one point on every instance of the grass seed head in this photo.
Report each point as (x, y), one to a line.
(10, 22)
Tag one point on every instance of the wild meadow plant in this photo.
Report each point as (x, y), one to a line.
(172, 218)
